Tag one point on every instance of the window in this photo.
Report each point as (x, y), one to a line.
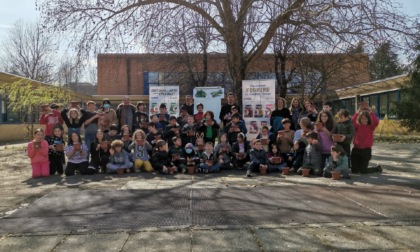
(383, 105)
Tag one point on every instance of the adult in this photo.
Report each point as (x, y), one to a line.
(295, 109)
(280, 113)
(109, 116)
(50, 117)
(225, 112)
(125, 113)
(209, 127)
(365, 123)
(91, 123)
(309, 111)
(189, 104)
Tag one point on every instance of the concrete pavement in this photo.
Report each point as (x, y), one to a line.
(212, 212)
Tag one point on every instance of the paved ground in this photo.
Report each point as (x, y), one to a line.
(212, 212)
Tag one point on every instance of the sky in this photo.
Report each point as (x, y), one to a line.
(13, 10)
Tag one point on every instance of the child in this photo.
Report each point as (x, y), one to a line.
(300, 142)
(112, 133)
(155, 119)
(183, 117)
(337, 162)
(176, 153)
(50, 117)
(345, 128)
(160, 158)
(209, 161)
(258, 157)
(277, 163)
(200, 145)
(56, 150)
(154, 134)
(91, 123)
(38, 153)
(190, 157)
(266, 137)
(312, 156)
(365, 122)
(77, 155)
(118, 158)
(224, 157)
(74, 119)
(223, 140)
(172, 130)
(240, 150)
(200, 114)
(209, 127)
(125, 136)
(236, 126)
(285, 139)
(141, 152)
(188, 131)
(163, 115)
(324, 126)
(140, 117)
(99, 152)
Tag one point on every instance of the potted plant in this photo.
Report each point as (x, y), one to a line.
(263, 169)
(336, 175)
(285, 171)
(305, 172)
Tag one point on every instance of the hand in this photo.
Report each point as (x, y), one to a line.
(227, 116)
(98, 146)
(111, 152)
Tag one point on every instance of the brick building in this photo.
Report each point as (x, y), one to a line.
(132, 74)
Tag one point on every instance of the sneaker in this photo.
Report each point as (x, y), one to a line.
(248, 174)
(198, 170)
(379, 168)
(184, 170)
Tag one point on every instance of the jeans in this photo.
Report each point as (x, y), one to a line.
(360, 161)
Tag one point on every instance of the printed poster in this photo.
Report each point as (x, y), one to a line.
(210, 97)
(168, 95)
(258, 101)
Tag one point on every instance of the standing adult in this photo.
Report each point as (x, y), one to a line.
(309, 111)
(91, 123)
(280, 113)
(225, 112)
(109, 116)
(125, 113)
(50, 117)
(295, 109)
(189, 104)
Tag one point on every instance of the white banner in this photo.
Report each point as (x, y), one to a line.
(169, 95)
(258, 101)
(210, 97)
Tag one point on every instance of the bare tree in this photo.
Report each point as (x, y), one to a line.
(243, 26)
(69, 72)
(29, 52)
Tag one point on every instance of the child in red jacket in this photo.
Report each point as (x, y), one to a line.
(365, 122)
(38, 153)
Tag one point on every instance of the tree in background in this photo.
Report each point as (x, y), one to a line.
(408, 109)
(29, 51)
(384, 63)
(243, 28)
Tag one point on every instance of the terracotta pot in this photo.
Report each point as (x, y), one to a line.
(191, 133)
(120, 171)
(337, 137)
(240, 155)
(172, 170)
(59, 147)
(263, 170)
(191, 170)
(276, 160)
(319, 126)
(210, 162)
(285, 171)
(264, 141)
(336, 175)
(104, 144)
(77, 146)
(305, 172)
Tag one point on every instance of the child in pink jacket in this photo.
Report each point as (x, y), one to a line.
(38, 153)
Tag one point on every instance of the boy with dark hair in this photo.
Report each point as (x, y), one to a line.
(112, 133)
(172, 130)
(154, 134)
(236, 126)
(209, 160)
(183, 116)
(312, 156)
(258, 157)
(155, 119)
(188, 131)
(176, 153)
(327, 106)
(163, 115)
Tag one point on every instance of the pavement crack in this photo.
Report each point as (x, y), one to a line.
(257, 240)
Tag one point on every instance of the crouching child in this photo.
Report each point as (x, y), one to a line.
(312, 157)
(118, 158)
(258, 157)
(338, 161)
(208, 160)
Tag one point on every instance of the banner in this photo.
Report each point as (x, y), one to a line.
(210, 97)
(168, 95)
(258, 101)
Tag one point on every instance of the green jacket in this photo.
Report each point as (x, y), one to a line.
(345, 128)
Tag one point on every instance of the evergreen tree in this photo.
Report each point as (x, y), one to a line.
(384, 63)
(408, 109)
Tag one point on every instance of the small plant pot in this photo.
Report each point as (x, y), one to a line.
(336, 175)
(172, 170)
(59, 147)
(276, 160)
(305, 172)
(120, 171)
(285, 171)
(337, 137)
(263, 170)
(191, 170)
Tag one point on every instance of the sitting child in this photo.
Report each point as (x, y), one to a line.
(112, 134)
(208, 160)
(312, 157)
(99, 152)
(118, 158)
(240, 150)
(338, 161)
(188, 131)
(277, 162)
(160, 159)
(200, 146)
(176, 153)
(224, 156)
(237, 126)
(141, 149)
(258, 157)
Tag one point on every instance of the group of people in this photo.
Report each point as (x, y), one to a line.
(128, 140)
